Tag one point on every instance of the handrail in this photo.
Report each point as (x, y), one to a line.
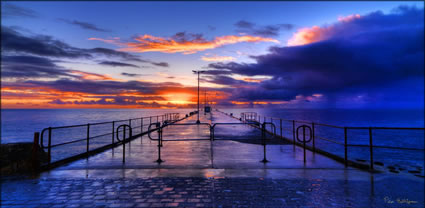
(329, 140)
(386, 147)
(167, 117)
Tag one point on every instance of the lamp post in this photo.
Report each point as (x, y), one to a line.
(198, 72)
(205, 104)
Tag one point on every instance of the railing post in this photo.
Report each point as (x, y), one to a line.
(293, 130)
(263, 140)
(88, 138)
(141, 125)
(312, 136)
(345, 147)
(304, 143)
(159, 145)
(123, 146)
(49, 145)
(281, 134)
(113, 131)
(129, 122)
(371, 147)
(157, 118)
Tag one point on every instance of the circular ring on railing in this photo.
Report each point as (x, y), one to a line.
(118, 130)
(304, 127)
(157, 125)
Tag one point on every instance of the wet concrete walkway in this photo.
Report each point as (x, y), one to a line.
(189, 146)
(226, 172)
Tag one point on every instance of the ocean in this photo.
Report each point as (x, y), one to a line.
(19, 125)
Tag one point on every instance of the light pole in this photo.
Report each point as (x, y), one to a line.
(205, 104)
(198, 72)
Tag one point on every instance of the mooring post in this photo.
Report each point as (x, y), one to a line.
(371, 147)
(345, 147)
(35, 156)
(49, 146)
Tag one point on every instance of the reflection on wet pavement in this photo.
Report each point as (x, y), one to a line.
(198, 172)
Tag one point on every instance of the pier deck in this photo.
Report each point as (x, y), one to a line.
(234, 147)
(226, 172)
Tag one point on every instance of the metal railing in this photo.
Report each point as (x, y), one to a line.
(289, 131)
(160, 128)
(95, 137)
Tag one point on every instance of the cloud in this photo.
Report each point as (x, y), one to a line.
(161, 64)
(185, 43)
(26, 67)
(42, 45)
(130, 74)
(31, 67)
(11, 10)
(84, 25)
(13, 41)
(118, 64)
(218, 58)
(268, 30)
(349, 57)
(212, 28)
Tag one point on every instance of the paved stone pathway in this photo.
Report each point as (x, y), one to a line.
(211, 192)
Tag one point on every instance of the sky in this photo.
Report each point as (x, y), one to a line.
(252, 54)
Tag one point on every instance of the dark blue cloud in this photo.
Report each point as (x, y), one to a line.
(84, 25)
(130, 74)
(268, 30)
(117, 64)
(373, 51)
(31, 67)
(13, 41)
(10, 10)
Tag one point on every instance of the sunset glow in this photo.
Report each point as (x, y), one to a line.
(63, 55)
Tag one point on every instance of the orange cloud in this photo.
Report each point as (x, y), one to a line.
(218, 58)
(314, 34)
(149, 43)
(247, 79)
(307, 35)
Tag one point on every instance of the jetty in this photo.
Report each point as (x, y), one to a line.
(224, 161)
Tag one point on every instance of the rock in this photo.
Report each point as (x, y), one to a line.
(394, 171)
(401, 169)
(391, 167)
(360, 160)
(379, 163)
(414, 171)
(21, 157)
